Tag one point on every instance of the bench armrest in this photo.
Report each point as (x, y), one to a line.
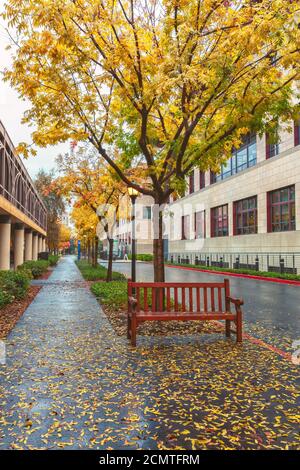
(236, 302)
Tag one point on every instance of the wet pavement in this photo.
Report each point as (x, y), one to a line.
(271, 310)
(71, 382)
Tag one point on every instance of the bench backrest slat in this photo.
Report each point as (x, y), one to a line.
(198, 299)
(168, 299)
(212, 299)
(181, 297)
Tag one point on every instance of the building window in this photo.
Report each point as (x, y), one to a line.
(245, 216)
(147, 212)
(191, 183)
(185, 227)
(242, 158)
(219, 221)
(296, 133)
(202, 179)
(272, 148)
(213, 177)
(281, 210)
(199, 221)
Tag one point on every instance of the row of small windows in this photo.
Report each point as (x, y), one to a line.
(242, 158)
(280, 212)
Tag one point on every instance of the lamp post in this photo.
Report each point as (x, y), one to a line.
(133, 194)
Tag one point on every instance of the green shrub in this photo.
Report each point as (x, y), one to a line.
(250, 272)
(5, 298)
(91, 273)
(37, 268)
(13, 285)
(53, 260)
(142, 257)
(112, 294)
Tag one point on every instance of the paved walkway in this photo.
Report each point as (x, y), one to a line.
(70, 382)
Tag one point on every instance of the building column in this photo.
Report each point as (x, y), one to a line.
(40, 241)
(28, 244)
(44, 244)
(18, 245)
(5, 228)
(34, 246)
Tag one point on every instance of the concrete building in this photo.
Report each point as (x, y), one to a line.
(144, 229)
(23, 216)
(249, 214)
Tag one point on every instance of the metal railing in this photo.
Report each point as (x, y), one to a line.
(288, 263)
(16, 185)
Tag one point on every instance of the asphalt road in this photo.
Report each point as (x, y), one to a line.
(271, 310)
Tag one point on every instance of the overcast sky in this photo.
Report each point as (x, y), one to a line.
(11, 110)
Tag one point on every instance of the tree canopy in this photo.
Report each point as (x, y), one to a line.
(160, 85)
(176, 82)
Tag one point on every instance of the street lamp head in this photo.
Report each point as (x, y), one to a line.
(133, 192)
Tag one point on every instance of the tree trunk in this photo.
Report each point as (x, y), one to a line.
(95, 257)
(89, 251)
(110, 258)
(158, 251)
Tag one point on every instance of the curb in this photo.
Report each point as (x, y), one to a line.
(247, 276)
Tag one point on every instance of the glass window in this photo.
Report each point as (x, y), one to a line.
(191, 183)
(199, 224)
(281, 210)
(185, 227)
(297, 133)
(219, 221)
(242, 158)
(245, 216)
(202, 179)
(272, 148)
(147, 212)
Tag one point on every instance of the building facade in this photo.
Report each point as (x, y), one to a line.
(249, 214)
(23, 216)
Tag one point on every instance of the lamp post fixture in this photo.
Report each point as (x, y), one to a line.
(133, 194)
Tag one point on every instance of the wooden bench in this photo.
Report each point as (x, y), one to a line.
(163, 301)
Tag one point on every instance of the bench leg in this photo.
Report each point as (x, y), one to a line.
(133, 330)
(227, 328)
(128, 327)
(239, 327)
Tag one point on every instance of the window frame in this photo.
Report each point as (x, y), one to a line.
(183, 226)
(272, 149)
(192, 182)
(291, 203)
(241, 230)
(148, 213)
(214, 222)
(232, 167)
(203, 212)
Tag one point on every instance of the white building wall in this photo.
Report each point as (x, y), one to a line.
(267, 175)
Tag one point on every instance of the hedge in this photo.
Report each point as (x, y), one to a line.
(142, 257)
(37, 268)
(250, 272)
(113, 294)
(53, 260)
(13, 286)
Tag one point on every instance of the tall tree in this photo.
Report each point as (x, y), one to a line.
(171, 84)
(86, 177)
(54, 204)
